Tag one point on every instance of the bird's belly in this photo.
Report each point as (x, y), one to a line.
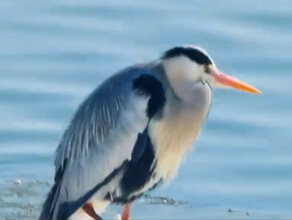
(130, 195)
(171, 149)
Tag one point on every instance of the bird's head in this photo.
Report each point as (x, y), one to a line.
(185, 66)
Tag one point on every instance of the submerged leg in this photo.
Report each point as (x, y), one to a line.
(126, 212)
(88, 208)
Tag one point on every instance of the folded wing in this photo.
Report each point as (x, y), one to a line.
(98, 141)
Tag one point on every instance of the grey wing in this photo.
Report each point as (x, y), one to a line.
(100, 138)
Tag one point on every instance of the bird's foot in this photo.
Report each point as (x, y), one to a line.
(88, 208)
(126, 212)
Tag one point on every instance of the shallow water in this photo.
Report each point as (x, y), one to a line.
(52, 54)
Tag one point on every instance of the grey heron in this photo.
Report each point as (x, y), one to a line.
(132, 133)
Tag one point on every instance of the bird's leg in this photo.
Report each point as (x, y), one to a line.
(126, 212)
(88, 208)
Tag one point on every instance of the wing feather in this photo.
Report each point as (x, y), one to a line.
(99, 139)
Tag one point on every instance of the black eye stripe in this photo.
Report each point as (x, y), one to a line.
(193, 53)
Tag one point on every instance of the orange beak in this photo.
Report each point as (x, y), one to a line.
(229, 81)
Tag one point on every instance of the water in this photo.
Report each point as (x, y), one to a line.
(54, 53)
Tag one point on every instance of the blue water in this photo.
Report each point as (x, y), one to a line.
(54, 53)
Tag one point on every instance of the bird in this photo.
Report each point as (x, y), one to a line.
(133, 131)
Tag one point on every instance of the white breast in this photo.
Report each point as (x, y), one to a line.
(174, 134)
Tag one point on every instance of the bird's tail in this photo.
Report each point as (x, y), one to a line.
(49, 205)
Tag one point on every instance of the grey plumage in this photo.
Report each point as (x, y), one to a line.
(87, 153)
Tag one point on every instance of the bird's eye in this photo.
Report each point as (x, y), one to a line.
(206, 68)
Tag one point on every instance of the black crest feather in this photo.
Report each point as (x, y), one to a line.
(192, 53)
